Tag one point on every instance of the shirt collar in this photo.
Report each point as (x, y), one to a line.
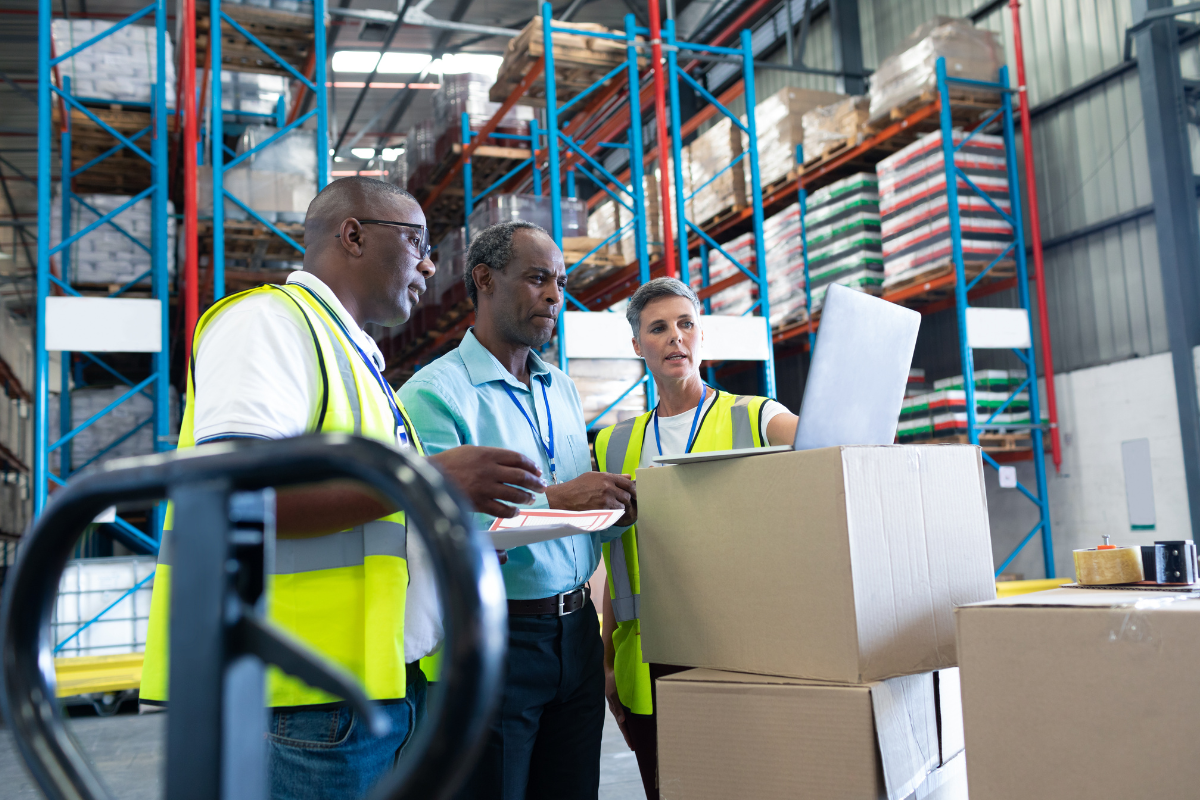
(322, 290)
(483, 367)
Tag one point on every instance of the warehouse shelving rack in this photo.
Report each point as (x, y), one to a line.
(965, 287)
(693, 235)
(571, 149)
(222, 158)
(156, 386)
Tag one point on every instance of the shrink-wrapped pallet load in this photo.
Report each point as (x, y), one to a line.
(468, 93)
(451, 255)
(915, 212)
(828, 128)
(780, 122)
(910, 72)
(120, 67)
(844, 242)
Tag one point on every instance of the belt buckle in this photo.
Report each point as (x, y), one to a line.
(562, 600)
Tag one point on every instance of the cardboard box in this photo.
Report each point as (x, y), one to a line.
(725, 735)
(840, 564)
(1082, 693)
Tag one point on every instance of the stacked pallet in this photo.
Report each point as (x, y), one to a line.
(121, 67)
(942, 413)
(497, 208)
(285, 26)
(915, 209)
(844, 242)
(832, 128)
(785, 267)
(908, 76)
(125, 171)
(451, 258)
(468, 94)
(579, 61)
(88, 446)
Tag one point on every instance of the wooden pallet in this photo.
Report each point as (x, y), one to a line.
(990, 442)
(579, 61)
(830, 153)
(1003, 270)
(252, 242)
(124, 172)
(289, 35)
(966, 106)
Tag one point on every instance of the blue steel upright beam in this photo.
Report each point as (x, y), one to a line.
(552, 163)
(322, 92)
(677, 152)
(1035, 412)
(159, 251)
(760, 252)
(65, 465)
(960, 282)
(41, 383)
(217, 136)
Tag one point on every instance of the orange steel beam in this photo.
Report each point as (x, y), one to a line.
(488, 129)
(310, 69)
(685, 130)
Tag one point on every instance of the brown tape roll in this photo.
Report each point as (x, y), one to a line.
(1108, 567)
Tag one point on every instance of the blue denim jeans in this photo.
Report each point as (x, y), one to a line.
(328, 754)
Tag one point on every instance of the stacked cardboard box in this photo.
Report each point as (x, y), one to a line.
(468, 93)
(120, 67)
(601, 381)
(419, 155)
(910, 73)
(451, 256)
(1099, 671)
(915, 209)
(829, 127)
(106, 255)
(781, 123)
(844, 241)
(821, 644)
(497, 208)
(278, 182)
(250, 92)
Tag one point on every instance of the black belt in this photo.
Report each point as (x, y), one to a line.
(558, 605)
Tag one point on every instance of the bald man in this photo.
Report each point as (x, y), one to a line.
(282, 361)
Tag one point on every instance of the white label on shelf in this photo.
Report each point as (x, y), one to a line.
(998, 328)
(104, 324)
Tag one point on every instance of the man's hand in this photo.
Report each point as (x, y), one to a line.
(593, 490)
(614, 702)
(489, 477)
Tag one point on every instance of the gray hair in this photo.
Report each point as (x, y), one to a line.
(492, 246)
(653, 290)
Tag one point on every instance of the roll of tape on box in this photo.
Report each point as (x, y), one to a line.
(1108, 566)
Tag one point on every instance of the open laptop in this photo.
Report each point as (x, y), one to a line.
(856, 380)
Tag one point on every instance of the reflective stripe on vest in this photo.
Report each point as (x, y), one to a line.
(347, 373)
(350, 548)
(625, 602)
(743, 428)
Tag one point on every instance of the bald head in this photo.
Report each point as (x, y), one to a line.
(377, 271)
(358, 197)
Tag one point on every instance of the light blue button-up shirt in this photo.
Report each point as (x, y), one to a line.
(461, 399)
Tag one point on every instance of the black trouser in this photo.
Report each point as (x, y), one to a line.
(545, 741)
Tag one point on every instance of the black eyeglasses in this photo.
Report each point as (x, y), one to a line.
(421, 243)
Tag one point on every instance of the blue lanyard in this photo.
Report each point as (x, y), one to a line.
(547, 446)
(695, 419)
(401, 423)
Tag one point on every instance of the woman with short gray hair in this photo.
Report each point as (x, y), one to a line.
(665, 317)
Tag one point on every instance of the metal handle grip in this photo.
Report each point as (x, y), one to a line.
(468, 577)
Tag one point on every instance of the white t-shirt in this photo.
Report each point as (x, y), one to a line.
(674, 430)
(261, 360)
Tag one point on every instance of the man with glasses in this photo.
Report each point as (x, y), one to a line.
(281, 361)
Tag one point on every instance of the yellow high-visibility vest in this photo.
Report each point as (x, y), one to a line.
(732, 421)
(342, 594)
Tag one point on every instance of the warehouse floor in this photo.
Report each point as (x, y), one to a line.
(128, 751)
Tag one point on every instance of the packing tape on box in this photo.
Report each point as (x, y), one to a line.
(1105, 567)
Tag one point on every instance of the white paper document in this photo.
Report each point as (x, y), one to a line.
(542, 524)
